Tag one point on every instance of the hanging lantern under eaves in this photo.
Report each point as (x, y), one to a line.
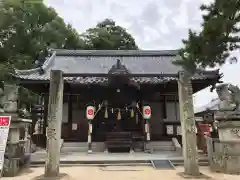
(90, 112)
(147, 112)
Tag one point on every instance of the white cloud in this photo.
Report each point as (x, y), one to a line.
(137, 16)
(154, 24)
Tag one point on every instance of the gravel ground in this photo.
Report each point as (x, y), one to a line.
(118, 173)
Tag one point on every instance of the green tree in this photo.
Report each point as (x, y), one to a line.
(29, 27)
(213, 45)
(210, 47)
(108, 35)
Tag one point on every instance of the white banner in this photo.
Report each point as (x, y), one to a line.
(4, 129)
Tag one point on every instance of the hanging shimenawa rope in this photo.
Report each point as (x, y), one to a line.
(137, 106)
(106, 113)
(119, 115)
(132, 113)
(137, 118)
(99, 108)
(106, 109)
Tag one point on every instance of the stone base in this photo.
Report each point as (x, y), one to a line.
(223, 156)
(11, 167)
(227, 115)
(59, 177)
(229, 131)
(225, 164)
(200, 176)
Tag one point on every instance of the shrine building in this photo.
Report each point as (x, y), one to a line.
(119, 98)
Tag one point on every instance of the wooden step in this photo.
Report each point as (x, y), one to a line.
(119, 141)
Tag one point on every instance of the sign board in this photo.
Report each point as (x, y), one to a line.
(74, 127)
(4, 129)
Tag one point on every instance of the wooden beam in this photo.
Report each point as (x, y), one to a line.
(55, 107)
(112, 75)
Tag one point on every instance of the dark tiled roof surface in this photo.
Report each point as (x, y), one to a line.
(100, 62)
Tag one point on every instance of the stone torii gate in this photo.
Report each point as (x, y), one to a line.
(53, 131)
(55, 119)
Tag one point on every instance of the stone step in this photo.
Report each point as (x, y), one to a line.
(74, 144)
(156, 143)
(82, 147)
(155, 146)
(163, 148)
(82, 144)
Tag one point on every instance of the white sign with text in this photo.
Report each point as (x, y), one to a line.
(4, 129)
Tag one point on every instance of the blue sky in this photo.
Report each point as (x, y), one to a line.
(154, 24)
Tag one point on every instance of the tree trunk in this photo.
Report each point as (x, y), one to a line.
(54, 124)
(188, 124)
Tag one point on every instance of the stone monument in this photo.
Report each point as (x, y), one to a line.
(16, 147)
(228, 114)
(224, 153)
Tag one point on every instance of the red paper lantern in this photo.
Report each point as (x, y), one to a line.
(90, 112)
(147, 111)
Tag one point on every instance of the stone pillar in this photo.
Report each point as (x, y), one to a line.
(53, 131)
(10, 104)
(188, 124)
(13, 151)
(89, 136)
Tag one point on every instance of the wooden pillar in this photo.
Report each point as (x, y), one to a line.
(55, 107)
(141, 117)
(70, 119)
(188, 124)
(45, 112)
(164, 107)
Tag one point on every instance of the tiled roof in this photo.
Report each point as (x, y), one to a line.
(104, 80)
(101, 61)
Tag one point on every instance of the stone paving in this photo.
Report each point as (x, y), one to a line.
(40, 156)
(118, 173)
(77, 156)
